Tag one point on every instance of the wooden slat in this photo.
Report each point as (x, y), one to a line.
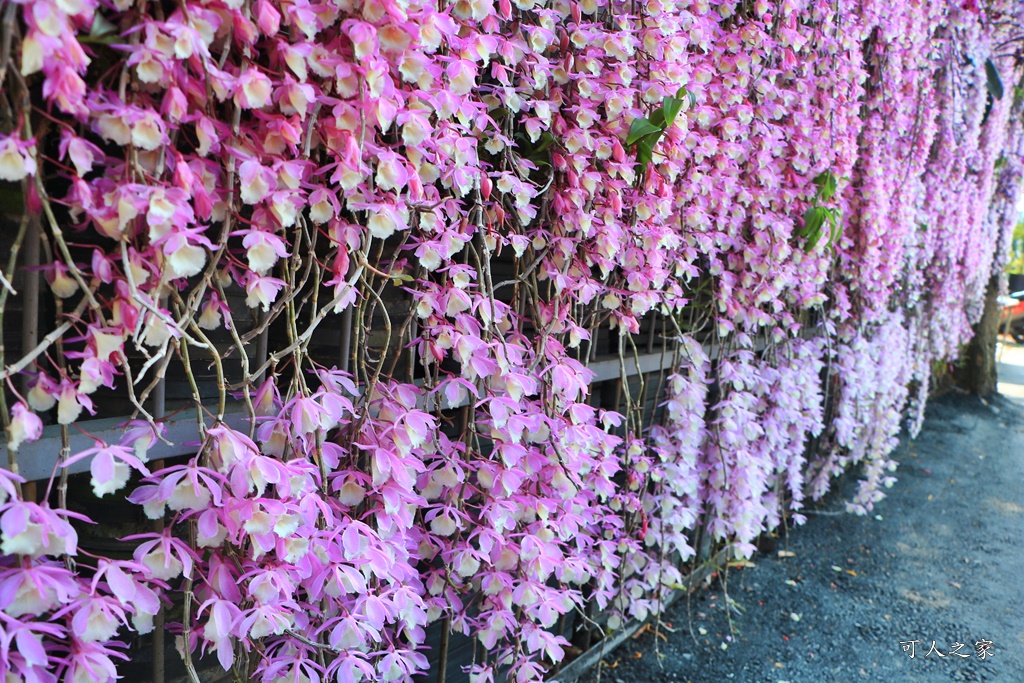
(36, 460)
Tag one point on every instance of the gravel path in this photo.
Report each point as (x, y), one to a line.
(942, 561)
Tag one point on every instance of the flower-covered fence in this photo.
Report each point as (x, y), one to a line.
(353, 320)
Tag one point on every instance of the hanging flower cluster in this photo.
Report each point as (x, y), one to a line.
(379, 247)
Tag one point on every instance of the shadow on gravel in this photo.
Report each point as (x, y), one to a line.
(939, 564)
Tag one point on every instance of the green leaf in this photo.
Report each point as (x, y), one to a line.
(658, 118)
(995, 83)
(645, 149)
(101, 27)
(814, 218)
(827, 185)
(536, 152)
(683, 92)
(640, 128)
(101, 32)
(398, 278)
(653, 138)
(835, 217)
(812, 240)
(545, 141)
(672, 107)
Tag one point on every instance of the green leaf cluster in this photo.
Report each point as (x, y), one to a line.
(818, 215)
(539, 152)
(645, 132)
(1016, 263)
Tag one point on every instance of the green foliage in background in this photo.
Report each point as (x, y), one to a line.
(1016, 263)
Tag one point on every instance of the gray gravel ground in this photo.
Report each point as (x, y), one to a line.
(942, 561)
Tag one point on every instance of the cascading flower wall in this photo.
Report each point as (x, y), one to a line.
(392, 237)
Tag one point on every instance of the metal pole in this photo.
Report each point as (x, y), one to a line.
(442, 658)
(30, 302)
(30, 312)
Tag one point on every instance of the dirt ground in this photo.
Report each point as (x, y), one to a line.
(939, 563)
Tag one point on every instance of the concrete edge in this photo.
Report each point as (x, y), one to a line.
(572, 671)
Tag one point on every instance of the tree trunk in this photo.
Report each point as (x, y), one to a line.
(976, 371)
